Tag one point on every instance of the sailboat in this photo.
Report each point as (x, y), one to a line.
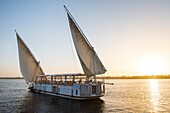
(72, 85)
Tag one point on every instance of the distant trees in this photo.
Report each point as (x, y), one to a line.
(136, 77)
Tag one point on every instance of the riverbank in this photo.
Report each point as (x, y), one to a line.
(11, 78)
(137, 77)
(115, 77)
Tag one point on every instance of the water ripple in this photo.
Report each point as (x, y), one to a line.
(124, 96)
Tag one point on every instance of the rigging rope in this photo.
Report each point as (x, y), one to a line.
(71, 44)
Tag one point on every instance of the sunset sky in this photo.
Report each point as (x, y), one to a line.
(131, 37)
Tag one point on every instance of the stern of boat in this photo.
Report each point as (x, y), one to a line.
(89, 90)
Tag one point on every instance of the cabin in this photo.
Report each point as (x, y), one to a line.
(70, 86)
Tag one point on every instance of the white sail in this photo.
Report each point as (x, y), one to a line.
(90, 62)
(28, 64)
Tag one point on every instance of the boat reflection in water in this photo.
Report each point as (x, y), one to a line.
(45, 103)
(154, 92)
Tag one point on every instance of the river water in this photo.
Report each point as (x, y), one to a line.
(126, 95)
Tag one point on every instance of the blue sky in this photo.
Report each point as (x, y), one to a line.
(123, 32)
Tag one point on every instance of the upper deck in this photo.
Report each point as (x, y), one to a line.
(65, 79)
(69, 74)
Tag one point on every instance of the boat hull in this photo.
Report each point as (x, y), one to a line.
(76, 92)
(67, 96)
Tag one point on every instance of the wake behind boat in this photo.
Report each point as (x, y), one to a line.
(74, 86)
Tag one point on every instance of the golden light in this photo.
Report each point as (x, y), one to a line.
(154, 85)
(154, 91)
(152, 66)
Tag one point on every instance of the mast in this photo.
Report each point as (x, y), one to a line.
(89, 60)
(36, 70)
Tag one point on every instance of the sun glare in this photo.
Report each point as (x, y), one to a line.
(152, 66)
(154, 85)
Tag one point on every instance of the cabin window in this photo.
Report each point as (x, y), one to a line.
(43, 80)
(48, 80)
(93, 89)
(71, 92)
(76, 92)
(54, 88)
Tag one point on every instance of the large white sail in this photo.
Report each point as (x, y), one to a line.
(90, 62)
(28, 64)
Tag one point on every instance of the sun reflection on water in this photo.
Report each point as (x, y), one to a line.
(154, 91)
(154, 85)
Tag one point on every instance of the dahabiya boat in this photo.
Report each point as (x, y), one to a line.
(74, 86)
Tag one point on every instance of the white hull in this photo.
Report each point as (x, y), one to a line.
(65, 96)
(77, 91)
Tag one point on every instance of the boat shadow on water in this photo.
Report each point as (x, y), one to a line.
(36, 102)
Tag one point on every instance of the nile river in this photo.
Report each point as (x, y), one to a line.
(127, 95)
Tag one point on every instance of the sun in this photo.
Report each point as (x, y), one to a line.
(152, 66)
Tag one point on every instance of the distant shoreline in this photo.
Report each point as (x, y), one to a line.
(11, 78)
(137, 77)
(115, 77)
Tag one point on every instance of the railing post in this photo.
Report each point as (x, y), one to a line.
(51, 80)
(65, 80)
